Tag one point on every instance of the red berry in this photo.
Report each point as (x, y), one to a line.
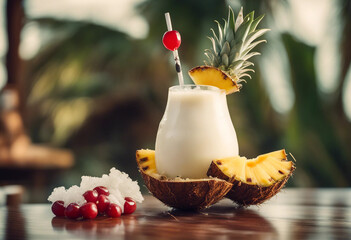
(102, 190)
(171, 40)
(102, 203)
(91, 196)
(114, 210)
(58, 208)
(89, 210)
(129, 205)
(72, 211)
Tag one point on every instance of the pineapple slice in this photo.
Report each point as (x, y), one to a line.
(258, 171)
(146, 161)
(274, 164)
(234, 167)
(280, 154)
(277, 169)
(250, 175)
(262, 178)
(206, 75)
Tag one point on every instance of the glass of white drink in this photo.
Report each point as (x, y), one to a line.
(196, 128)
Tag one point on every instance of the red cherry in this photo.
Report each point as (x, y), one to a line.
(102, 203)
(58, 208)
(114, 210)
(89, 210)
(72, 211)
(102, 190)
(171, 40)
(91, 196)
(129, 205)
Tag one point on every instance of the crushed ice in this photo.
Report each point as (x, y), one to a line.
(118, 183)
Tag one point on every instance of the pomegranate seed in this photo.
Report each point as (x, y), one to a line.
(58, 208)
(102, 203)
(91, 196)
(114, 210)
(129, 205)
(102, 190)
(72, 211)
(171, 40)
(89, 210)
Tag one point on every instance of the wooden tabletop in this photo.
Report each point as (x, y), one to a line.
(292, 214)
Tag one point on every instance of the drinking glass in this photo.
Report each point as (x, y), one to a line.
(196, 128)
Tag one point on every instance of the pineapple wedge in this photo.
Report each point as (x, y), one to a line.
(146, 161)
(262, 178)
(206, 75)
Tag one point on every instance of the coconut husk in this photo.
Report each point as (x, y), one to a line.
(186, 193)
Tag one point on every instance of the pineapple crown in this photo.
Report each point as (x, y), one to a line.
(231, 47)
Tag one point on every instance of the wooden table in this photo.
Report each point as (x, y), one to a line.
(293, 214)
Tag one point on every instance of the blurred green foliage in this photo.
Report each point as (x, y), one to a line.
(102, 94)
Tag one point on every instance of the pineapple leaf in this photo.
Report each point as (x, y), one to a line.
(241, 80)
(231, 19)
(246, 70)
(213, 45)
(254, 44)
(225, 27)
(243, 30)
(247, 64)
(210, 51)
(255, 23)
(225, 60)
(220, 33)
(256, 34)
(237, 64)
(251, 46)
(235, 51)
(225, 49)
(212, 57)
(218, 43)
(232, 56)
(239, 19)
(230, 35)
(251, 55)
(233, 43)
(209, 56)
(245, 75)
(228, 32)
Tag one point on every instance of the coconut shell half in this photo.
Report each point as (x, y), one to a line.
(180, 193)
(247, 194)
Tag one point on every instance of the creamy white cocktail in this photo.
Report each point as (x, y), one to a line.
(196, 136)
(196, 128)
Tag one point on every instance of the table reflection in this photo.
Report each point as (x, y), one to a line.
(101, 226)
(213, 222)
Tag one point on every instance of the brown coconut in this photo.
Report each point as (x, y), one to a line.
(247, 194)
(182, 193)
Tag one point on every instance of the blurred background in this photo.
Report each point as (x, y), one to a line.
(84, 84)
